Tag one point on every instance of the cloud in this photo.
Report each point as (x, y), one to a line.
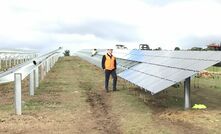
(175, 22)
(194, 41)
(103, 29)
(160, 2)
(78, 24)
(168, 2)
(40, 44)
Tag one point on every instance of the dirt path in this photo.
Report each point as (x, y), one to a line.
(101, 110)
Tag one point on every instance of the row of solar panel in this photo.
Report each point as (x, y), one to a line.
(25, 67)
(158, 70)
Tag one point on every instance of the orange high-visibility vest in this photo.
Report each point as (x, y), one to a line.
(109, 62)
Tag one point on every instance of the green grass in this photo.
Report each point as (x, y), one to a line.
(214, 69)
(34, 105)
(135, 115)
(211, 83)
(6, 107)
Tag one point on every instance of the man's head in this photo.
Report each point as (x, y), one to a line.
(110, 51)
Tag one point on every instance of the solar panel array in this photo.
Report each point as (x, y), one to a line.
(12, 57)
(157, 70)
(27, 66)
(36, 69)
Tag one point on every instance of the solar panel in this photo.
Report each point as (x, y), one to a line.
(157, 70)
(147, 75)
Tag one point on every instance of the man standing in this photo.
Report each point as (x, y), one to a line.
(109, 65)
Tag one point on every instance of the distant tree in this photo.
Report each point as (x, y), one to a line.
(144, 47)
(159, 49)
(66, 53)
(196, 49)
(176, 49)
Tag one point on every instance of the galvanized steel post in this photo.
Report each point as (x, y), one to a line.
(9, 60)
(36, 77)
(48, 67)
(50, 63)
(54, 59)
(31, 84)
(17, 90)
(20, 60)
(187, 93)
(16, 61)
(45, 68)
(26, 58)
(42, 71)
(23, 60)
(6, 63)
(0, 63)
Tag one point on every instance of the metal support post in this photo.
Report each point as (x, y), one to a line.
(17, 80)
(48, 67)
(23, 60)
(42, 71)
(13, 61)
(31, 84)
(20, 60)
(51, 63)
(16, 61)
(6, 63)
(45, 68)
(54, 59)
(10, 62)
(36, 77)
(187, 93)
(26, 58)
(0, 63)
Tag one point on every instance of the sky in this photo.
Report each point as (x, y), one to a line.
(44, 25)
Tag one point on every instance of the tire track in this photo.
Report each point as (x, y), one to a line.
(101, 110)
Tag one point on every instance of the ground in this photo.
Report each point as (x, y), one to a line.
(71, 99)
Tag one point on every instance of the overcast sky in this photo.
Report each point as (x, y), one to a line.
(77, 24)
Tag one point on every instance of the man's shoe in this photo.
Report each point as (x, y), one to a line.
(107, 91)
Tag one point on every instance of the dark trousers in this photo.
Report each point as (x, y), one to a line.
(107, 77)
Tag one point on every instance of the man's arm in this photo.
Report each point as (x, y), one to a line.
(103, 62)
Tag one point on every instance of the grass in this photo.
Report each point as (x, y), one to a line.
(207, 82)
(6, 107)
(214, 69)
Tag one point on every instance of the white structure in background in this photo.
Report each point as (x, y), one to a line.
(12, 57)
(29, 68)
(118, 46)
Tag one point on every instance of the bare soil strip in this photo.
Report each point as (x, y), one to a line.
(101, 111)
